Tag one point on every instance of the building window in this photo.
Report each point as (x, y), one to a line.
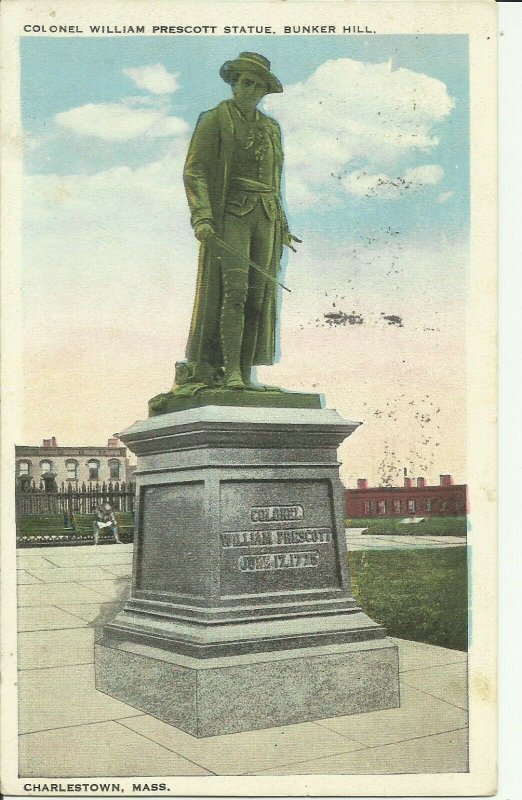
(381, 507)
(412, 506)
(24, 468)
(114, 469)
(427, 505)
(72, 470)
(397, 506)
(94, 469)
(371, 504)
(46, 466)
(442, 505)
(366, 507)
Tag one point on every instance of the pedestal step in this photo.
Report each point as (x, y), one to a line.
(257, 636)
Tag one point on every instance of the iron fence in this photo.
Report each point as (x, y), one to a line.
(73, 500)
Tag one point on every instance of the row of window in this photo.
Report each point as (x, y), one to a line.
(72, 467)
(400, 506)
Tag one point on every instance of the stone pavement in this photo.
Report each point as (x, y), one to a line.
(68, 729)
(356, 539)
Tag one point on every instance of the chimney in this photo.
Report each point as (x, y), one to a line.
(408, 483)
(54, 443)
(421, 483)
(446, 480)
(362, 483)
(112, 442)
(46, 443)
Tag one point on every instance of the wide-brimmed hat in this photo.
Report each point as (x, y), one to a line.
(251, 62)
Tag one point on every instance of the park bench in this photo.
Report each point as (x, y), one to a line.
(33, 530)
(49, 529)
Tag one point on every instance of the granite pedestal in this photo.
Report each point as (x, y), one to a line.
(241, 614)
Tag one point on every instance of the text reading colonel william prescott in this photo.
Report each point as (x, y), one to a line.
(232, 178)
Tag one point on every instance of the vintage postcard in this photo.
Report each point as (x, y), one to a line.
(249, 398)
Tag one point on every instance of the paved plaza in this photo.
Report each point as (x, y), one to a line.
(68, 729)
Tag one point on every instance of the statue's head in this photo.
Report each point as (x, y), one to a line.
(248, 88)
(250, 78)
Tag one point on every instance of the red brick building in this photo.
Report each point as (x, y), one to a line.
(414, 499)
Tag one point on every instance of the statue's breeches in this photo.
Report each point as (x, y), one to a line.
(252, 237)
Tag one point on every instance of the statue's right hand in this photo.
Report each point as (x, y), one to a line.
(203, 231)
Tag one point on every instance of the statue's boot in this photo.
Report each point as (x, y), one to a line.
(246, 373)
(233, 380)
(231, 337)
(247, 357)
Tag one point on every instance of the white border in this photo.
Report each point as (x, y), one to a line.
(477, 18)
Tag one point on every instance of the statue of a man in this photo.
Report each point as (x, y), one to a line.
(232, 179)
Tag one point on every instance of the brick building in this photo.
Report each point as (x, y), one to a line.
(50, 465)
(414, 499)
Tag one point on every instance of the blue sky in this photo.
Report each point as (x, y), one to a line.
(375, 135)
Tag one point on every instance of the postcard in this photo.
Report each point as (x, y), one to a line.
(249, 398)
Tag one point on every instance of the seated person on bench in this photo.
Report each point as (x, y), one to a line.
(104, 518)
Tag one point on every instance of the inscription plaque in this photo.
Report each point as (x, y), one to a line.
(277, 536)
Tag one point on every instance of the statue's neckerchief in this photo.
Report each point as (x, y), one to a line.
(258, 137)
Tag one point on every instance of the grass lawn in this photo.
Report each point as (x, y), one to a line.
(416, 594)
(430, 526)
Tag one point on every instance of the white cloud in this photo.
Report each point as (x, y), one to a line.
(122, 226)
(362, 184)
(118, 122)
(154, 78)
(169, 126)
(351, 112)
(120, 203)
(425, 175)
(444, 197)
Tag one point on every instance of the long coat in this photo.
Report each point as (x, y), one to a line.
(206, 177)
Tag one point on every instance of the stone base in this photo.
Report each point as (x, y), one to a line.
(210, 697)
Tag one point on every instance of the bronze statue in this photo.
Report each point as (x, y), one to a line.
(232, 179)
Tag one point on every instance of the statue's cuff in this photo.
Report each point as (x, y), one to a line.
(199, 222)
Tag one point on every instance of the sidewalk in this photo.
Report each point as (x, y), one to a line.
(356, 539)
(69, 729)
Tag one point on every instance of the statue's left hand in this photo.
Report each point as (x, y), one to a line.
(288, 238)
